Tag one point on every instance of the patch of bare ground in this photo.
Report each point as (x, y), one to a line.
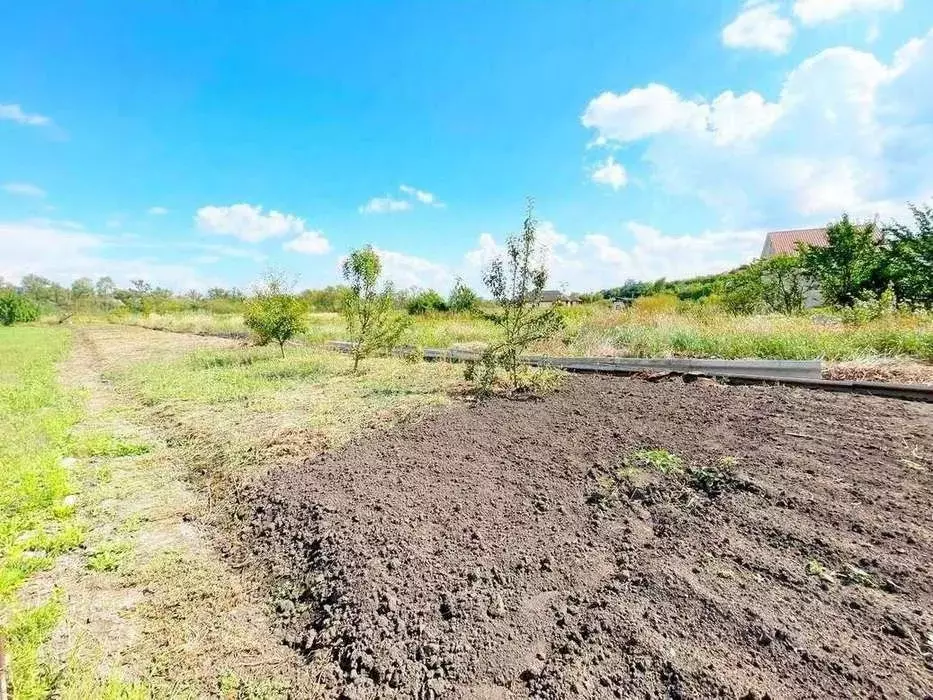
(619, 539)
(150, 607)
(897, 370)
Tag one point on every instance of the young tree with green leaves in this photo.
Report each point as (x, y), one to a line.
(784, 283)
(273, 313)
(372, 322)
(851, 264)
(515, 284)
(462, 298)
(910, 258)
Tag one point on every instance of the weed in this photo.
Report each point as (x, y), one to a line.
(816, 568)
(854, 576)
(104, 445)
(660, 460)
(714, 480)
(108, 557)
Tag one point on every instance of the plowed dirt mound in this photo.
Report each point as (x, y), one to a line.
(506, 549)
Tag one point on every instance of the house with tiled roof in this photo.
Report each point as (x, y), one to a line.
(786, 242)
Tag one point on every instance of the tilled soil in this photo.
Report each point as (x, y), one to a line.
(516, 548)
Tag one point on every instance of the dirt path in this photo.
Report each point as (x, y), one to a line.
(522, 549)
(148, 600)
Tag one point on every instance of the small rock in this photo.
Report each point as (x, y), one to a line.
(496, 606)
(70, 501)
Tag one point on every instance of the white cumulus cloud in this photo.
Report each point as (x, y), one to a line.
(15, 113)
(248, 223)
(23, 189)
(309, 243)
(405, 270)
(817, 11)
(609, 173)
(848, 132)
(598, 261)
(759, 26)
(61, 251)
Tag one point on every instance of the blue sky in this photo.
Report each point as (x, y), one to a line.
(200, 143)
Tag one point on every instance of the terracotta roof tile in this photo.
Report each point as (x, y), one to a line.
(785, 242)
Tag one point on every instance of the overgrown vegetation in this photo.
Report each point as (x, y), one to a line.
(15, 308)
(373, 325)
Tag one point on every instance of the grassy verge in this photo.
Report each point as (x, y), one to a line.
(250, 406)
(638, 332)
(37, 521)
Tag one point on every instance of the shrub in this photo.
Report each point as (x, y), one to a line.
(462, 298)
(372, 322)
(15, 308)
(426, 301)
(656, 304)
(274, 313)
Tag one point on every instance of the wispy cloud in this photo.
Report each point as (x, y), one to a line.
(15, 113)
(391, 205)
(23, 189)
(157, 211)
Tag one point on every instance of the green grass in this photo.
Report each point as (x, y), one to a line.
(36, 519)
(644, 331)
(105, 445)
(36, 416)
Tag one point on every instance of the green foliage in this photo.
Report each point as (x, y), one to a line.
(331, 298)
(426, 301)
(516, 283)
(783, 282)
(851, 264)
(462, 299)
(741, 291)
(660, 460)
(274, 313)
(15, 308)
(373, 324)
(871, 307)
(910, 264)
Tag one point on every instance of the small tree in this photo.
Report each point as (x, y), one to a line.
(372, 322)
(910, 262)
(516, 283)
(784, 283)
(273, 313)
(741, 291)
(851, 264)
(15, 308)
(462, 298)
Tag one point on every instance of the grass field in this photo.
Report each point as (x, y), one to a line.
(37, 522)
(595, 330)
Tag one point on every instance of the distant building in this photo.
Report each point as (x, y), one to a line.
(555, 296)
(785, 242)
